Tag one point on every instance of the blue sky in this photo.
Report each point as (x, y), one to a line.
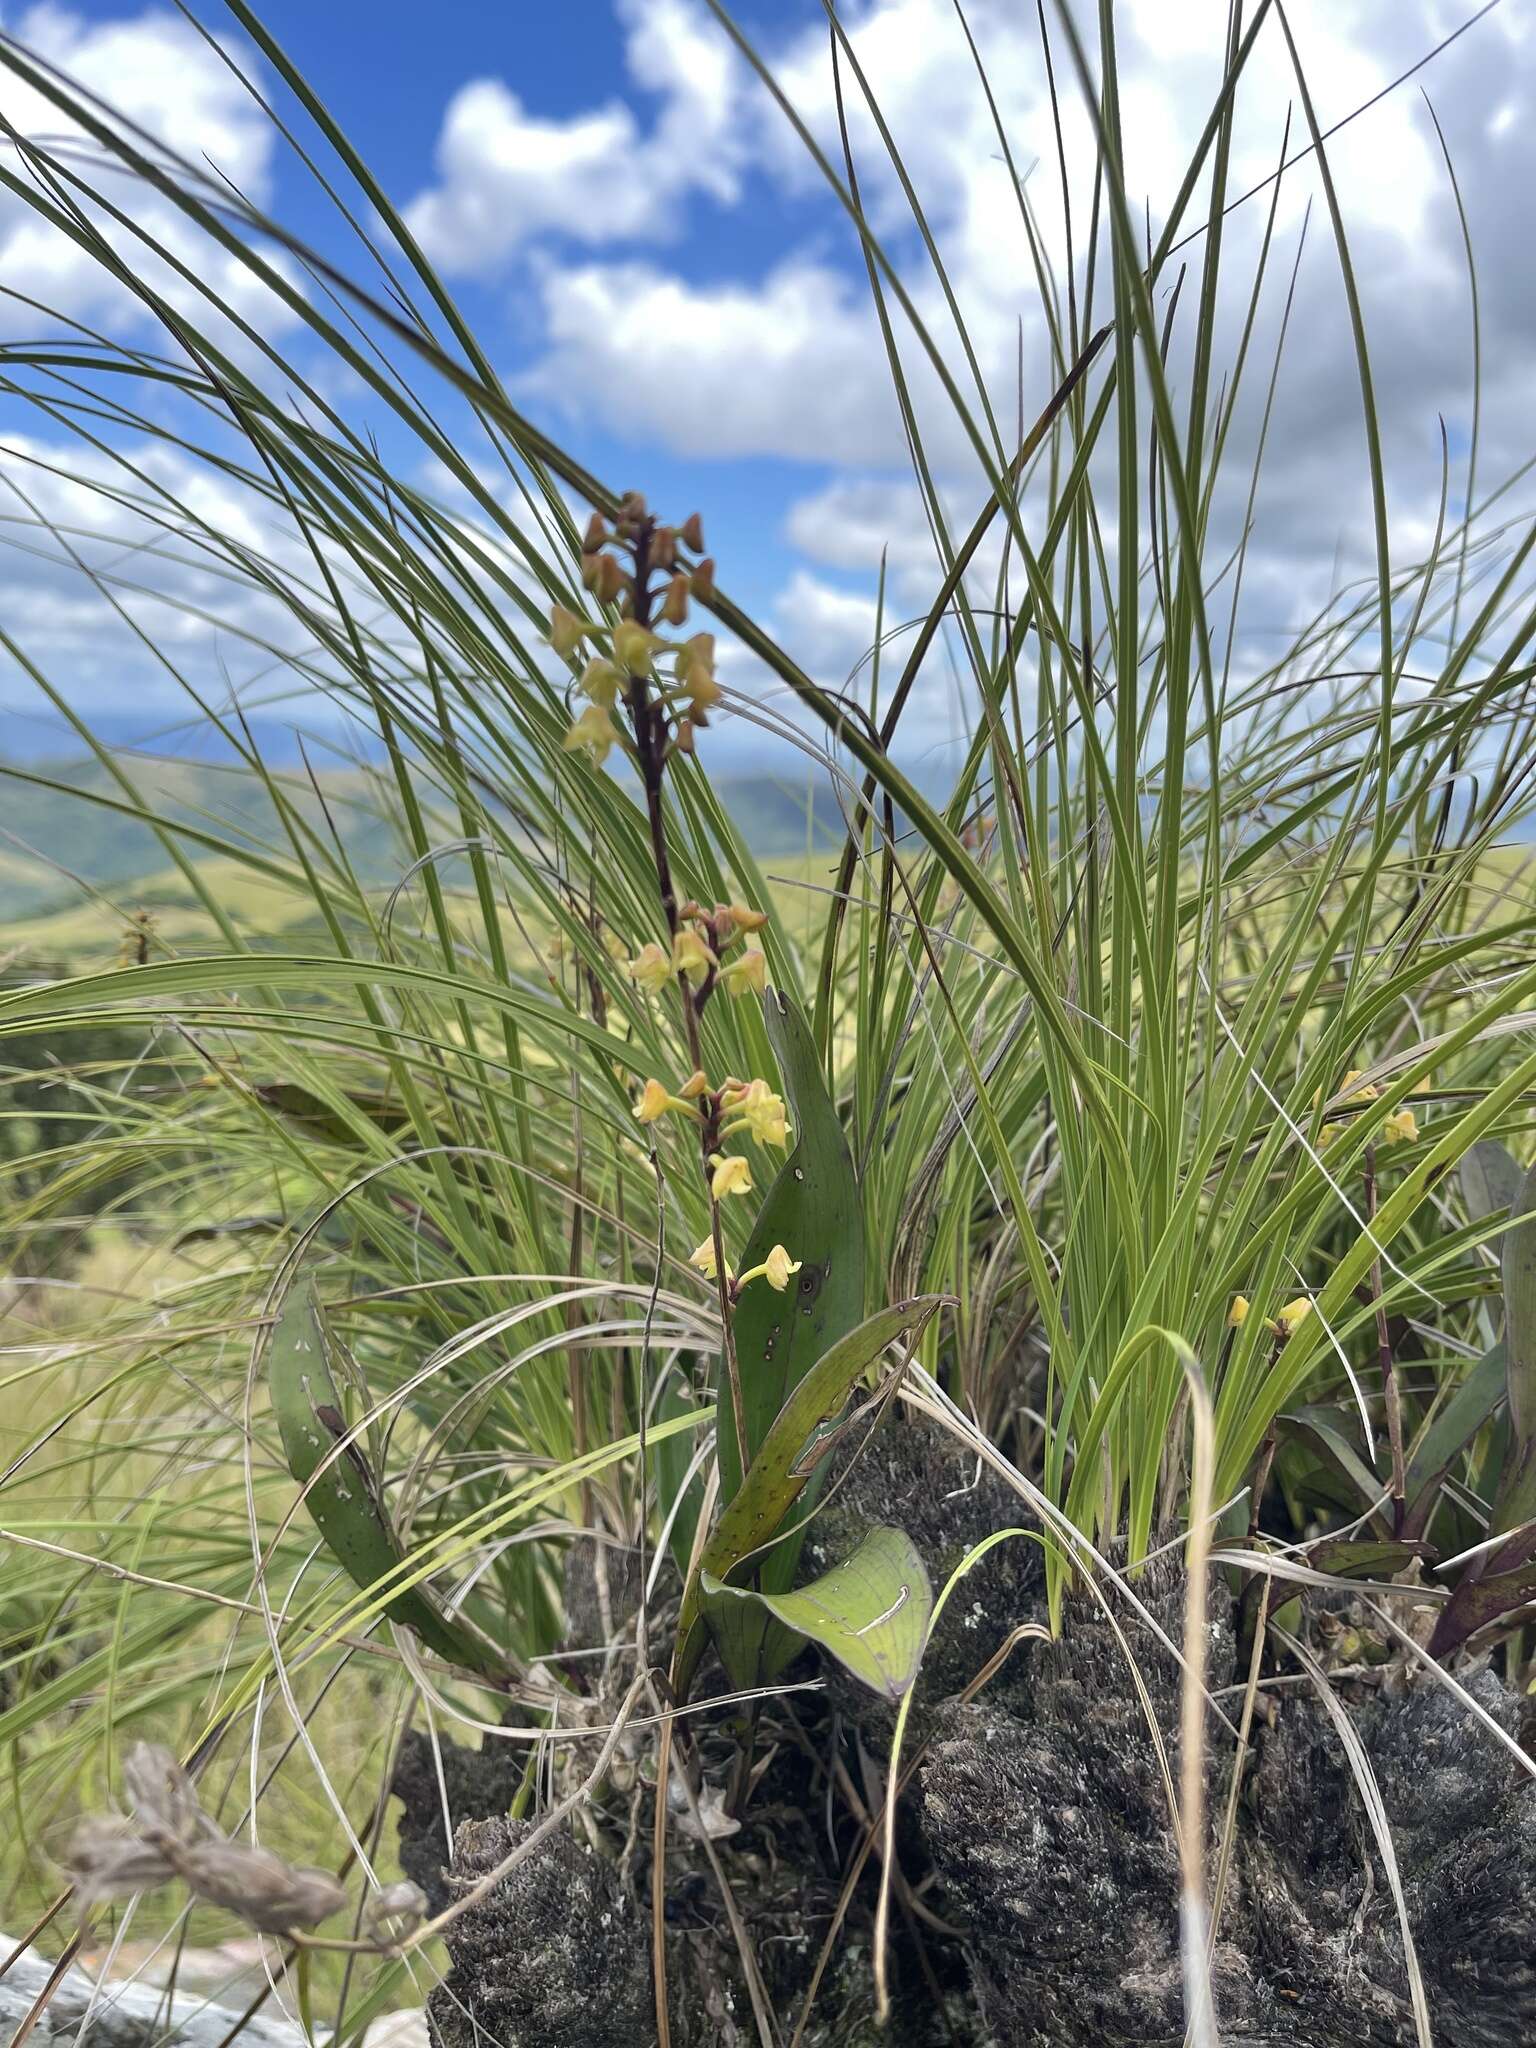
(391, 72)
(662, 280)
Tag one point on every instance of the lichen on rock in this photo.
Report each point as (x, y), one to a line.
(554, 1956)
(1043, 1812)
(440, 1783)
(1051, 1832)
(1323, 1921)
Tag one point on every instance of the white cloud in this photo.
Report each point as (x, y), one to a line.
(791, 364)
(791, 368)
(782, 358)
(855, 522)
(920, 68)
(772, 368)
(110, 556)
(506, 176)
(851, 523)
(140, 525)
(828, 631)
(159, 74)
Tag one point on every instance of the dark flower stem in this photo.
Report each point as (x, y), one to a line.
(650, 729)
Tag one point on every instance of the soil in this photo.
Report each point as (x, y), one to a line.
(1037, 1830)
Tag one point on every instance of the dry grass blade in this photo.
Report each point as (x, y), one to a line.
(1376, 1815)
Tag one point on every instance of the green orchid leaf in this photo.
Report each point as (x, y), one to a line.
(1457, 1423)
(1514, 1502)
(1490, 1178)
(1319, 1429)
(813, 1209)
(1351, 1558)
(794, 1454)
(1519, 1266)
(755, 1647)
(870, 1612)
(1504, 1579)
(343, 1496)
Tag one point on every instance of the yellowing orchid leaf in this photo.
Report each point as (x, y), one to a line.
(871, 1613)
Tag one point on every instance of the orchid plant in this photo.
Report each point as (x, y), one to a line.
(651, 691)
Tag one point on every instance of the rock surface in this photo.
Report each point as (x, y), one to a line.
(123, 2015)
(473, 1782)
(554, 1957)
(558, 1955)
(1323, 1923)
(1049, 1829)
(1039, 1829)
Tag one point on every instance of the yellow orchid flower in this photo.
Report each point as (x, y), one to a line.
(651, 968)
(732, 1175)
(654, 1102)
(700, 688)
(1293, 1315)
(748, 973)
(601, 680)
(566, 631)
(697, 1084)
(777, 1269)
(703, 1257)
(593, 733)
(691, 956)
(758, 1110)
(1237, 1314)
(696, 671)
(1403, 1128)
(634, 648)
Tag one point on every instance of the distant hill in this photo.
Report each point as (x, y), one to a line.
(63, 835)
(61, 839)
(778, 817)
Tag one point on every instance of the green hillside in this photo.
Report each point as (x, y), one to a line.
(74, 864)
